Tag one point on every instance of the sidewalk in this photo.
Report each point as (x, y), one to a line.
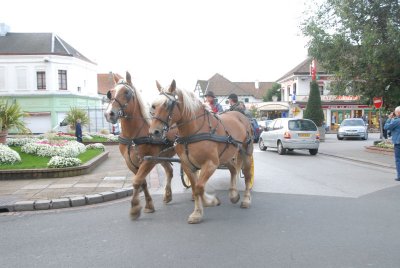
(112, 179)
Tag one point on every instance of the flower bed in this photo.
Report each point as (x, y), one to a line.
(50, 148)
(8, 155)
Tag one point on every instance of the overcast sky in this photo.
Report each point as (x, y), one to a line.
(173, 39)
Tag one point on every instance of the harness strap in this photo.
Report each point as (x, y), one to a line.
(144, 140)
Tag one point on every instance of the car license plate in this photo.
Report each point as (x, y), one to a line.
(304, 135)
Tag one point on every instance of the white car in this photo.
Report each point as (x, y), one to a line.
(352, 128)
(288, 134)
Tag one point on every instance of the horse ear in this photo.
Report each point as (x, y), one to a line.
(172, 87)
(159, 86)
(128, 78)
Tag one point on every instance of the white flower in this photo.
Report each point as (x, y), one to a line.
(8, 156)
(42, 148)
(20, 141)
(96, 146)
(61, 162)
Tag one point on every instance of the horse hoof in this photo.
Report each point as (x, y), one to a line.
(135, 212)
(148, 210)
(235, 199)
(245, 205)
(194, 220)
(167, 199)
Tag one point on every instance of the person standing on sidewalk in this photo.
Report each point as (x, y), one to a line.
(393, 124)
(78, 131)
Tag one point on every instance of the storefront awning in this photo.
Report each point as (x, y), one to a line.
(274, 106)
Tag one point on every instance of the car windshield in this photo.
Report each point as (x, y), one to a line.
(352, 123)
(302, 125)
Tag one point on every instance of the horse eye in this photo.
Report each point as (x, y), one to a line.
(109, 95)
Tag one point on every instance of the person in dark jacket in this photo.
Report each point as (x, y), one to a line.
(78, 131)
(393, 124)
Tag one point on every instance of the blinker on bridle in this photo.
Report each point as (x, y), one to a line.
(121, 111)
(170, 107)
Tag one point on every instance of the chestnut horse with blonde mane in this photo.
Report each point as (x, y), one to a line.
(134, 141)
(205, 142)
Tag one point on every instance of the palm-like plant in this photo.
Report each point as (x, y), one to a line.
(11, 117)
(76, 113)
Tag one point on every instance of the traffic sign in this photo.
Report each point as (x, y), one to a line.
(378, 102)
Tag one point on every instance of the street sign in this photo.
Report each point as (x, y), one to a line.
(378, 102)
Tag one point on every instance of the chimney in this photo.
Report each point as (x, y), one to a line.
(4, 29)
(256, 84)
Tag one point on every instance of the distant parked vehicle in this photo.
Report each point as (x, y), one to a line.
(353, 128)
(264, 123)
(288, 134)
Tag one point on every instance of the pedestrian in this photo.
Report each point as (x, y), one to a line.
(385, 131)
(215, 107)
(393, 124)
(78, 131)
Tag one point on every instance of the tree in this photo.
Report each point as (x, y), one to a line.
(74, 114)
(274, 91)
(359, 42)
(314, 108)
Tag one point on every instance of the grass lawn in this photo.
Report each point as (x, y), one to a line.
(33, 161)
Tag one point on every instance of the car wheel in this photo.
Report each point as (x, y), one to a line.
(290, 150)
(261, 145)
(313, 151)
(339, 138)
(281, 150)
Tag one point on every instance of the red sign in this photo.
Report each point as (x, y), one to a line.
(378, 102)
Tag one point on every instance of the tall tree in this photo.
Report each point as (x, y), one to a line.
(313, 109)
(274, 91)
(359, 42)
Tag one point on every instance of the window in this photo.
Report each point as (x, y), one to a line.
(278, 124)
(62, 79)
(246, 99)
(41, 80)
(321, 90)
(21, 78)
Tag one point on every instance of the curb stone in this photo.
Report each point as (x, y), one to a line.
(67, 202)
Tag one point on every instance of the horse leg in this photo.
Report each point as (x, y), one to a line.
(140, 180)
(169, 173)
(233, 191)
(206, 171)
(197, 214)
(247, 176)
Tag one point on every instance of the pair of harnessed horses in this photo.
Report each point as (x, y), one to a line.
(181, 124)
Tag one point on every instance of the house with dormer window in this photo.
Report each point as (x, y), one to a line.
(248, 92)
(46, 76)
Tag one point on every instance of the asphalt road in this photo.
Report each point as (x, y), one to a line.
(307, 211)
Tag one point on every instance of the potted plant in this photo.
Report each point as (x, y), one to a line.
(11, 117)
(74, 114)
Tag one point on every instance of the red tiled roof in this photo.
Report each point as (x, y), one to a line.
(105, 82)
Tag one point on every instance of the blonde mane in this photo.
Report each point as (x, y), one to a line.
(190, 103)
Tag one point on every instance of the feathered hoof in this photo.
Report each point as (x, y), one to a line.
(195, 217)
(235, 199)
(245, 204)
(167, 198)
(135, 212)
(149, 209)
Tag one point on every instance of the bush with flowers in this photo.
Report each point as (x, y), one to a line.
(54, 148)
(20, 141)
(8, 155)
(96, 146)
(100, 137)
(62, 162)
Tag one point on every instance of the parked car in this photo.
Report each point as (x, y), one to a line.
(264, 123)
(256, 130)
(353, 128)
(288, 134)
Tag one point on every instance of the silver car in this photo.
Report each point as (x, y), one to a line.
(352, 128)
(288, 134)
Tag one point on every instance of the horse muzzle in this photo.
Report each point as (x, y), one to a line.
(111, 116)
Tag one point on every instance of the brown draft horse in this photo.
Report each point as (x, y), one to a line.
(134, 141)
(205, 142)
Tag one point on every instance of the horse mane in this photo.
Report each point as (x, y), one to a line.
(144, 109)
(190, 102)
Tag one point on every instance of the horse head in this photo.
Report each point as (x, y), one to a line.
(120, 97)
(173, 106)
